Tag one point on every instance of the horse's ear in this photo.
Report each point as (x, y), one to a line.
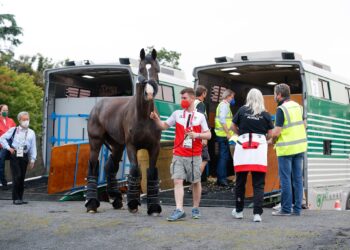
(154, 54)
(142, 54)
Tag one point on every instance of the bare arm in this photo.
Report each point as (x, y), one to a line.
(269, 134)
(234, 127)
(206, 135)
(162, 125)
(276, 133)
(227, 131)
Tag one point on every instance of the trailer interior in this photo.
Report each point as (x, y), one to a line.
(91, 82)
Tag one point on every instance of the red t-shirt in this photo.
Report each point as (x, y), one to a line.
(6, 126)
(197, 123)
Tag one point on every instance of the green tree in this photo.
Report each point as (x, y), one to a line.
(165, 57)
(9, 31)
(33, 65)
(20, 93)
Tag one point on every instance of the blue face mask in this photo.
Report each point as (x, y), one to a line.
(232, 102)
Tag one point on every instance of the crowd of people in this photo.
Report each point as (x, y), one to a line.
(18, 145)
(253, 126)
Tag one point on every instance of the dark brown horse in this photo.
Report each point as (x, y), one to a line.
(125, 121)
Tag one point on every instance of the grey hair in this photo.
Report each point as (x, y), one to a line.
(255, 101)
(20, 114)
(282, 89)
(227, 93)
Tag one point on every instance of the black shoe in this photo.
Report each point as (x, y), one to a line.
(19, 202)
(223, 183)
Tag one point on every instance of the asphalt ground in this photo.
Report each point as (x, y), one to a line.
(66, 225)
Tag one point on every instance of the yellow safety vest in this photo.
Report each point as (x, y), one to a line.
(219, 130)
(292, 139)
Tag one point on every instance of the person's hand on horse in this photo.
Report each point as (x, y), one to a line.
(154, 116)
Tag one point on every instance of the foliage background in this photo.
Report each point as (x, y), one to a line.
(20, 93)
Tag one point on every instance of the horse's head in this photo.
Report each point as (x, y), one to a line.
(148, 74)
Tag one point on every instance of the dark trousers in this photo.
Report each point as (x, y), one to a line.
(18, 170)
(4, 155)
(258, 187)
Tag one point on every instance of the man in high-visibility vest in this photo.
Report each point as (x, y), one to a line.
(223, 122)
(291, 143)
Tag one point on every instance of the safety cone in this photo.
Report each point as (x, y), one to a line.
(337, 205)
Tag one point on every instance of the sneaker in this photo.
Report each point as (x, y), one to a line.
(280, 213)
(176, 215)
(237, 215)
(257, 218)
(277, 207)
(195, 213)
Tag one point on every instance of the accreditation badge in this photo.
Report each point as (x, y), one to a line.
(187, 142)
(19, 151)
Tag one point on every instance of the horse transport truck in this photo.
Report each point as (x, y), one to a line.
(325, 98)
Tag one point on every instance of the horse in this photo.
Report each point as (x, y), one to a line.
(125, 122)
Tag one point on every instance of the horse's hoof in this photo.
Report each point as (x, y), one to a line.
(154, 209)
(133, 206)
(154, 214)
(92, 205)
(117, 204)
(91, 211)
(133, 211)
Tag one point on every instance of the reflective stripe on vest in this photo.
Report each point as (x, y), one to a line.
(219, 130)
(292, 139)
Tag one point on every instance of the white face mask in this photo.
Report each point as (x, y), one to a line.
(24, 124)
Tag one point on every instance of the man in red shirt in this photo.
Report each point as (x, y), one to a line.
(5, 124)
(190, 129)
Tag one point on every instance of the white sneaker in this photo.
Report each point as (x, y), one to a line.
(237, 215)
(277, 207)
(257, 218)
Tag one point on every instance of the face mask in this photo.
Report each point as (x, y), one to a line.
(185, 104)
(4, 114)
(232, 102)
(24, 124)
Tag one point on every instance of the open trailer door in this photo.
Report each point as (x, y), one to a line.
(68, 168)
(240, 74)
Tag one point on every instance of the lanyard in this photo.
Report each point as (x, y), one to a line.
(189, 124)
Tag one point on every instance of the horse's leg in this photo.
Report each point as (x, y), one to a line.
(92, 202)
(134, 180)
(153, 204)
(111, 170)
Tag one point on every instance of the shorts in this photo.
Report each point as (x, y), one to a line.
(205, 154)
(181, 168)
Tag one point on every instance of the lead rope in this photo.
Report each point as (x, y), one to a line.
(192, 161)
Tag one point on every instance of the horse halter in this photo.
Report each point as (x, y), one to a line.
(149, 77)
(147, 84)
